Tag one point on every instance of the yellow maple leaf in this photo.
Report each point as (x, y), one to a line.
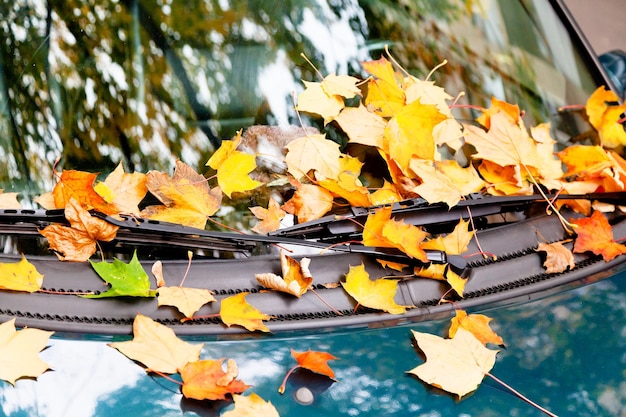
(597, 103)
(251, 406)
(235, 310)
(20, 276)
(612, 133)
(125, 190)
(373, 228)
(455, 242)
(362, 126)
(445, 181)
(157, 347)
(341, 85)
(233, 167)
(314, 99)
(410, 133)
(385, 95)
(232, 174)
(186, 197)
(186, 300)
(406, 237)
(457, 365)
(9, 200)
(442, 272)
(378, 294)
(19, 352)
(506, 142)
(313, 152)
(387, 194)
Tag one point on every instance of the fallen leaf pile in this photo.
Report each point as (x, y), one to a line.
(408, 126)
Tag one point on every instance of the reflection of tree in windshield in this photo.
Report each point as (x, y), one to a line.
(145, 82)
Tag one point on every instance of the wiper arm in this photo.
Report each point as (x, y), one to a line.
(134, 230)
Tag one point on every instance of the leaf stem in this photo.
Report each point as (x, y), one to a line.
(169, 378)
(520, 395)
(281, 389)
(189, 255)
(333, 309)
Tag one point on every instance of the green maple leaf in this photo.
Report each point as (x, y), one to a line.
(126, 279)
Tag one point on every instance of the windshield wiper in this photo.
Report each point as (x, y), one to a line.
(134, 230)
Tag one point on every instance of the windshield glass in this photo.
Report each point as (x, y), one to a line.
(92, 83)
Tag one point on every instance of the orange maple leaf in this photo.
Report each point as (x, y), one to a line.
(348, 187)
(477, 324)
(186, 197)
(584, 162)
(594, 234)
(314, 361)
(206, 380)
(78, 242)
(309, 202)
(236, 310)
(497, 106)
(79, 185)
(270, 217)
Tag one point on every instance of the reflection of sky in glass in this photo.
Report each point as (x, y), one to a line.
(567, 352)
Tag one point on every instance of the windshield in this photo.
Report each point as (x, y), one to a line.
(91, 83)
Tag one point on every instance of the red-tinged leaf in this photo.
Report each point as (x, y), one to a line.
(207, 380)
(315, 361)
(594, 234)
(79, 185)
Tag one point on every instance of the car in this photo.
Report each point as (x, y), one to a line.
(162, 88)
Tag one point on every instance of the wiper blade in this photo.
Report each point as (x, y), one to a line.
(135, 230)
(419, 212)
